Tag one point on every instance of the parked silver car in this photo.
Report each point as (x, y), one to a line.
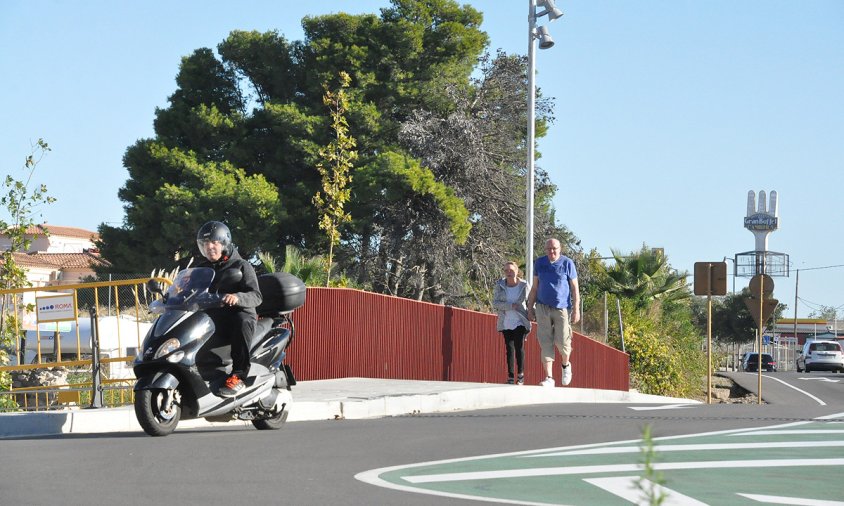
(820, 356)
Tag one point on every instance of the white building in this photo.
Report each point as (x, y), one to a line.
(57, 255)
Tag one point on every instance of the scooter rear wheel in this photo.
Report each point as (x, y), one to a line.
(157, 415)
(272, 423)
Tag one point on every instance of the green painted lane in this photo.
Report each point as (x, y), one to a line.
(795, 463)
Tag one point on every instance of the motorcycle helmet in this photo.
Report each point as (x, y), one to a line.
(214, 231)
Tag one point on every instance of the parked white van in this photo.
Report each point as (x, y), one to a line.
(119, 337)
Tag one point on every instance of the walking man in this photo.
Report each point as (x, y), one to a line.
(554, 303)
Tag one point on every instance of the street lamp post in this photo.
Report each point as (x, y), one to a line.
(733, 260)
(545, 42)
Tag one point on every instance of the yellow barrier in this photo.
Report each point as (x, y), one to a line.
(57, 396)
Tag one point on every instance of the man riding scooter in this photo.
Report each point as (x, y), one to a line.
(237, 319)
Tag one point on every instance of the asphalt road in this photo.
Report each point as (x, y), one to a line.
(316, 462)
(795, 389)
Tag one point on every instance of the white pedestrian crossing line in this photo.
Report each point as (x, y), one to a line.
(696, 447)
(625, 487)
(618, 468)
(794, 501)
(780, 432)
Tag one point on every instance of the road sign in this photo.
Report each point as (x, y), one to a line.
(767, 286)
(710, 278)
(752, 304)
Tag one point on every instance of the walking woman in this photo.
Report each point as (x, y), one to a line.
(509, 299)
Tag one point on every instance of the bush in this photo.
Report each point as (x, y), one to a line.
(664, 349)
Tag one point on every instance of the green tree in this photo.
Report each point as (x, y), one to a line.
(425, 225)
(825, 313)
(477, 148)
(731, 320)
(659, 325)
(644, 276)
(161, 226)
(21, 200)
(339, 156)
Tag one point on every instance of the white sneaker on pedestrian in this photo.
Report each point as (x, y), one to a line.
(567, 374)
(547, 382)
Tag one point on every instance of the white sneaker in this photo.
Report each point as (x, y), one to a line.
(547, 382)
(567, 374)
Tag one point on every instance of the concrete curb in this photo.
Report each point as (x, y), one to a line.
(489, 397)
(346, 398)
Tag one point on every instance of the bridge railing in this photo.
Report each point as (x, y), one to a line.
(351, 333)
(339, 333)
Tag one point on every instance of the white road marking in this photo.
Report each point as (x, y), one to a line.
(618, 468)
(830, 417)
(625, 487)
(667, 406)
(783, 432)
(807, 394)
(819, 379)
(699, 447)
(374, 476)
(795, 501)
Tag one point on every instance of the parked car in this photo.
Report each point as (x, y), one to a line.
(820, 356)
(751, 362)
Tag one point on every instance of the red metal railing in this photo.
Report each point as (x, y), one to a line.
(350, 333)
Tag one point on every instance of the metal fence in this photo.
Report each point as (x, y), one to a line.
(783, 354)
(345, 332)
(80, 356)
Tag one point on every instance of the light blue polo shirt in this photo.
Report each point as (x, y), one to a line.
(553, 286)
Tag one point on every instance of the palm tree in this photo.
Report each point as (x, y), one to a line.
(644, 276)
(310, 270)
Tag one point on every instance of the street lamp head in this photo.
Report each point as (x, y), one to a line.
(545, 39)
(550, 9)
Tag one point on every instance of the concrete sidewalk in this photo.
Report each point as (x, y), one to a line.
(346, 398)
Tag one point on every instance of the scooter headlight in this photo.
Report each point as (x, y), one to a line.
(169, 346)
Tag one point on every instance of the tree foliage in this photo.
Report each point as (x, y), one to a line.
(659, 331)
(334, 168)
(167, 213)
(825, 313)
(20, 201)
(731, 320)
(644, 276)
(437, 194)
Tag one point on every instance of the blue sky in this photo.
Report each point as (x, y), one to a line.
(667, 113)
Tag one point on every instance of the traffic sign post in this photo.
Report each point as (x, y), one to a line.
(710, 279)
(766, 309)
(761, 305)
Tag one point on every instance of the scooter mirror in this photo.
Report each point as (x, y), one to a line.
(155, 287)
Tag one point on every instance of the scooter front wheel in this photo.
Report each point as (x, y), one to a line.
(157, 411)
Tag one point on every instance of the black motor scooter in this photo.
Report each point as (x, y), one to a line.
(183, 362)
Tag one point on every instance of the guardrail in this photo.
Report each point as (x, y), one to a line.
(79, 372)
(351, 333)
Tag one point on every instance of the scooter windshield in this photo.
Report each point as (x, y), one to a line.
(189, 291)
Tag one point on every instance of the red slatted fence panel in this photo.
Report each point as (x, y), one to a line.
(350, 333)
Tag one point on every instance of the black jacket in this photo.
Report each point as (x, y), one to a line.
(248, 294)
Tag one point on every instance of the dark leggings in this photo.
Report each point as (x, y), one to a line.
(238, 328)
(513, 340)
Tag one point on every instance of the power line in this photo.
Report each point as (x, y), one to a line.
(818, 268)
